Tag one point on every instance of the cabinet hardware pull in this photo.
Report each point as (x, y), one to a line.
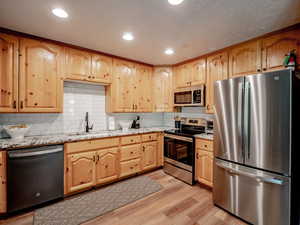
(143, 148)
(264, 69)
(258, 70)
(15, 104)
(197, 155)
(21, 104)
(98, 158)
(94, 158)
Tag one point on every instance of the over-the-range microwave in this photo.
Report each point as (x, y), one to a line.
(191, 96)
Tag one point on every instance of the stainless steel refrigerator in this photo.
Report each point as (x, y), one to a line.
(256, 147)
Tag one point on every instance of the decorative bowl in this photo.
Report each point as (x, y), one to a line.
(125, 125)
(16, 132)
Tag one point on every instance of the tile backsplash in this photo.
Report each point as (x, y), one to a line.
(81, 98)
(78, 99)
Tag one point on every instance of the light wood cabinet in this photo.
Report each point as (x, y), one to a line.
(217, 69)
(183, 76)
(204, 167)
(160, 149)
(78, 64)
(3, 182)
(149, 155)
(101, 68)
(162, 89)
(40, 79)
(143, 89)
(275, 47)
(245, 59)
(9, 67)
(81, 171)
(130, 152)
(130, 167)
(120, 94)
(198, 72)
(107, 165)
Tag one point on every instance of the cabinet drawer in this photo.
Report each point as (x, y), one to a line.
(130, 167)
(149, 137)
(91, 144)
(130, 140)
(130, 152)
(204, 144)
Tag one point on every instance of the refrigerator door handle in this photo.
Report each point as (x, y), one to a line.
(240, 115)
(246, 122)
(264, 179)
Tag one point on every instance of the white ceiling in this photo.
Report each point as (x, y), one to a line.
(193, 28)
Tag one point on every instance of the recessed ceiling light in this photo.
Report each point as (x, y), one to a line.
(175, 2)
(60, 13)
(169, 51)
(128, 36)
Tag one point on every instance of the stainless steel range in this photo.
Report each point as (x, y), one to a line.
(179, 149)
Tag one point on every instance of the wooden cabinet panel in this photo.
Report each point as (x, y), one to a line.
(127, 140)
(277, 46)
(162, 89)
(149, 155)
(41, 83)
(204, 167)
(130, 152)
(9, 65)
(183, 76)
(245, 59)
(198, 72)
(78, 64)
(3, 183)
(160, 149)
(130, 167)
(107, 165)
(149, 137)
(206, 145)
(91, 144)
(217, 69)
(120, 94)
(143, 89)
(101, 68)
(81, 171)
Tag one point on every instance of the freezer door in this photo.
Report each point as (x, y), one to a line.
(258, 197)
(228, 119)
(268, 129)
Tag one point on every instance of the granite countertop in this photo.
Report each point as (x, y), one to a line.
(205, 136)
(7, 143)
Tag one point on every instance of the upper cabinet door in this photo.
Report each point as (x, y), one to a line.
(183, 76)
(78, 64)
(8, 73)
(41, 83)
(198, 72)
(217, 69)
(143, 89)
(121, 91)
(277, 46)
(101, 68)
(162, 86)
(245, 59)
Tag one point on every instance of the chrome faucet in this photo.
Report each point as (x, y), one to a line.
(87, 126)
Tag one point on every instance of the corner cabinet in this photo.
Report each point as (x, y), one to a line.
(245, 59)
(9, 67)
(275, 47)
(40, 78)
(217, 69)
(162, 86)
(130, 90)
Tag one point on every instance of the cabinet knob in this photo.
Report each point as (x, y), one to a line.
(131, 152)
(258, 70)
(264, 69)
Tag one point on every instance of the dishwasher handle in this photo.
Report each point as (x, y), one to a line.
(35, 152)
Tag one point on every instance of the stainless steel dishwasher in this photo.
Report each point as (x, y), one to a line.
(34, 176)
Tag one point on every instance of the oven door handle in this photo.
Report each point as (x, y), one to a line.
(181, 138)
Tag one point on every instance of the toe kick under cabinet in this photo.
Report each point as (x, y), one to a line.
(99, 161)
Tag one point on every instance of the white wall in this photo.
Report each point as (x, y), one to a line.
(78, 99)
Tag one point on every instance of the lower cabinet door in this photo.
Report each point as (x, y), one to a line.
(107, 165)
(149, 153)
(130, 167)
(81, 171)
(204, 167)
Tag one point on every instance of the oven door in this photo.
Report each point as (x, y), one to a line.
(179, 151)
